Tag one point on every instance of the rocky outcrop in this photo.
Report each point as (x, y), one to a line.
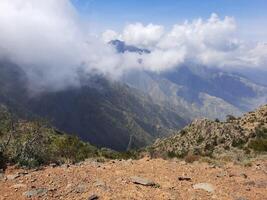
(206, 137)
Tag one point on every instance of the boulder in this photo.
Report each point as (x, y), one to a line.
(142, 181)
(204, 186)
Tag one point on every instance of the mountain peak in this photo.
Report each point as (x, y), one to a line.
(122, 47)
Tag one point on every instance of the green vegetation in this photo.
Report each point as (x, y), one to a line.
(35, 143)
(260, 142)
(230, 118)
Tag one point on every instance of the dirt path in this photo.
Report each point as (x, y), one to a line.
(112, 180)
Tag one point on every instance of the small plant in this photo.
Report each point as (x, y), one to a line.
(230, 118)
(172, 154)
(182, 132)
(258, 144)
(217, 120)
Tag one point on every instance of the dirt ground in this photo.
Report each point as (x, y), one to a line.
(113, 180)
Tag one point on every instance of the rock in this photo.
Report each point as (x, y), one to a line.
(212, 166)
(204, 186)
(241, 198)
(93, 197)
(232, 175)
(221, 174)
(81, 188)
(35, 192)
(66, 166)
(142, 181)
(243, 175)
(53, 165)
(100, 183)
(17, 186)
(183, 178)
(183, 163)
(2, 176)
(12, 177)
(23, 173)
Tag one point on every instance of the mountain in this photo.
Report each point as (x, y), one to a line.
(199, 91)
(121, 47)
(213, 138)
(105, 113)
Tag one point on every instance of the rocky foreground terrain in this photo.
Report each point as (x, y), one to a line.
(138, 179)
(205, 160)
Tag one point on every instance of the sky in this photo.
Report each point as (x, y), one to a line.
(54, 40)
(250, 15)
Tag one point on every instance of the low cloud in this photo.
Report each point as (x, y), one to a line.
(49, 42)
(213, 42)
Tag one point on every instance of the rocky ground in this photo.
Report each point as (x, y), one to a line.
(137, 179)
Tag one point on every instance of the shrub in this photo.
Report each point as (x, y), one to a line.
(258, 144)
(2, 161)
(172, 154)
(261, 132)
(182, 132)
(230, 118)
(71, 149)
(217, 120)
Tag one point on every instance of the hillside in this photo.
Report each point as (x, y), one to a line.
(204, 137)
(193, 90)
(201, 175)
(198, 91)
(105, 113)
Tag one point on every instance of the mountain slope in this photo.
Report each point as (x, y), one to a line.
(206, 137)
(195, 90)
(200, 92)
(103, 112)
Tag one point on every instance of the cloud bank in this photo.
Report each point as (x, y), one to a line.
(213, 42)
(48, 40)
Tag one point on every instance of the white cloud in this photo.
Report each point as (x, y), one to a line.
(213, 42)
(144, 36)
(48, 40)
(109, 35)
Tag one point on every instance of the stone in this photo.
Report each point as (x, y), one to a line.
(81, 188)
(142, 181)
(2, 176)
(204, 186)
(232, 175)
(183, 178)
(12, 176)
(53, 165)
(241, 198)
(243, 175)
(23, 173)
(221, 174)
(93, 197)
(17, 186)
(100, 183)
(35, 192)
(183, 163)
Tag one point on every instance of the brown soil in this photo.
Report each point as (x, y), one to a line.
(112, 180)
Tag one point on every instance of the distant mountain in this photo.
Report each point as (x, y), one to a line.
(121, 47)
(105, 113)
(199, 91)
